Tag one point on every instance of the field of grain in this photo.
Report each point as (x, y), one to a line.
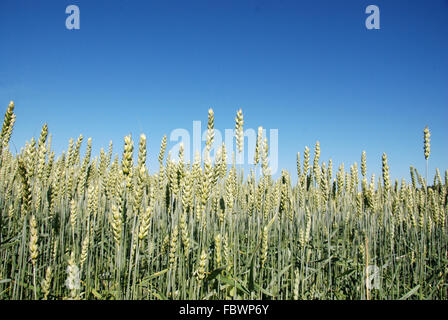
(75, 226)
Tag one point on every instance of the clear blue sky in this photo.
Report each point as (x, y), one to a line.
(308, 68)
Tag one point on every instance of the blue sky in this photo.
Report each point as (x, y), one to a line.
(310, 69)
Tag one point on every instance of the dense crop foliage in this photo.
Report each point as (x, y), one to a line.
(78, 227)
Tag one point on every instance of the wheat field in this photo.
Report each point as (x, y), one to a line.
(74, 226)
